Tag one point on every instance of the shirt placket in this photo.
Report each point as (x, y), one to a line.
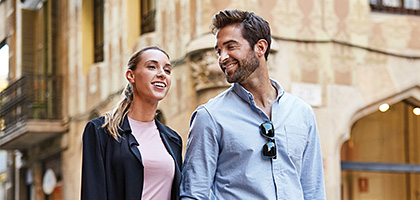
(276, 171)
(276, 163)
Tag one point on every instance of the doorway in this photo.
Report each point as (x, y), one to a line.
(381, 160)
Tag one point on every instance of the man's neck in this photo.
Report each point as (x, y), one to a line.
(264, 92)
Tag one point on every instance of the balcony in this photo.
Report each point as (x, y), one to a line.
(31, 111)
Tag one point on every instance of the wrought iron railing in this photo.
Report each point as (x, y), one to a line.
(31, 97)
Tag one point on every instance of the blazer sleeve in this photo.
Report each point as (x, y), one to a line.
(93, 170)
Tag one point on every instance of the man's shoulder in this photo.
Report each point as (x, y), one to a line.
(218, 101)
(289, 98)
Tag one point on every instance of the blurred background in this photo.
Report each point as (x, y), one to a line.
(357, 62)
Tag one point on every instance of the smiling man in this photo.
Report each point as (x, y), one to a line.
(253, 141)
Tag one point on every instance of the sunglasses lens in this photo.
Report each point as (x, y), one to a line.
(269, 150)
(267, 129)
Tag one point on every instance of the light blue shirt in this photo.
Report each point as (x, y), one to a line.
(224, 150)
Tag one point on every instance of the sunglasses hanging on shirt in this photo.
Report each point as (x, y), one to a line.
(269, 149)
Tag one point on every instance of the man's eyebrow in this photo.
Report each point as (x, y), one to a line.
(225, 43)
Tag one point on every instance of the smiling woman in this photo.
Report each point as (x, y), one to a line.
(128, 153)
(4, 66)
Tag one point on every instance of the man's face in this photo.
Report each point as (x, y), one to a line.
(236, 59)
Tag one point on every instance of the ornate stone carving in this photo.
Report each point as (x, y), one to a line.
(206, 71)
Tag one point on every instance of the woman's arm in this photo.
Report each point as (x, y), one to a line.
(93, 171)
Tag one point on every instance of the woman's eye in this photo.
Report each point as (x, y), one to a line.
(168, 71)
(151, 67)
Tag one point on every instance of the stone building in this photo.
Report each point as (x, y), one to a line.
(67, 59)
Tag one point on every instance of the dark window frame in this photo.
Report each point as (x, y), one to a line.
(98, 35)
(147, 16)
(378, 6)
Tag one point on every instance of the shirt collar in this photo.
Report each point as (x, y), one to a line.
(247, 96)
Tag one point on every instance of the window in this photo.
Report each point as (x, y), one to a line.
(4, 65)
(98, 22)
(147, 15)
(409, 7)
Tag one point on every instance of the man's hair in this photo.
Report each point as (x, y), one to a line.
(253, 27)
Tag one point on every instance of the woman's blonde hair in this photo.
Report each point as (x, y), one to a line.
(114, 118)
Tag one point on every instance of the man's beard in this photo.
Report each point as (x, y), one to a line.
(244, 69)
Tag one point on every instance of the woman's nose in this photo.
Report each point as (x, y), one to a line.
(161, 73)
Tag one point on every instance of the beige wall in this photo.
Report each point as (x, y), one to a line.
(3, 20)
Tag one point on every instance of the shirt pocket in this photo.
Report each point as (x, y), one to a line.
(296, 141)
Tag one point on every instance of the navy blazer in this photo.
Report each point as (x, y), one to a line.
(113, 170)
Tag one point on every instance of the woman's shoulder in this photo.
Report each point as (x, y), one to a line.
(96, 125)
(99, 121)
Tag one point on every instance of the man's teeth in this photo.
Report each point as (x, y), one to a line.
(159, 84)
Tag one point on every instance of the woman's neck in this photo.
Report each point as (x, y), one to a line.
(142, 112)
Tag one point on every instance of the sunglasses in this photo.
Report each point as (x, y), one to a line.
(269, 149)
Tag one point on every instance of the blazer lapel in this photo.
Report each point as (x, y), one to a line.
(131, 140)
(167, 139)
(133, 144)
(170, 143)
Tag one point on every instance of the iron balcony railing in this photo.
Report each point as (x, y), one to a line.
(32, 97)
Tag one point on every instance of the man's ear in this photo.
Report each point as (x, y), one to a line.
(129, 75)
(261, 47)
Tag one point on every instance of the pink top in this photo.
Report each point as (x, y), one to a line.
(159, 166)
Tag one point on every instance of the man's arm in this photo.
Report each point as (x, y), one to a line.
(201, 156)
(312, 177)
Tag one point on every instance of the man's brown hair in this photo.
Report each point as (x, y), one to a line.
(253, 27)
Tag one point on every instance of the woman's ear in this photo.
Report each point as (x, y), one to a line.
(129, 75)
(261, 47)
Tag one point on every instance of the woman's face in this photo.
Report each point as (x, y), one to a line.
(151, 79)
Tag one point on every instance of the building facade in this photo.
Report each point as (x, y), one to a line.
(67, 61)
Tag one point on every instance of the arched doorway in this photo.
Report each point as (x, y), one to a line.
(381, 160)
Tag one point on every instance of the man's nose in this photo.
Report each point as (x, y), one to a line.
(223, 56)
